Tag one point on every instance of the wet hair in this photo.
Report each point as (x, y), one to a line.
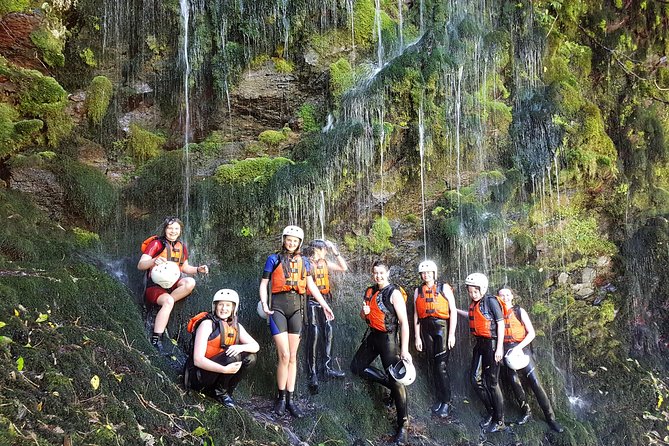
(513, 293)
(308, 251)
(381, 262)
(168, 221)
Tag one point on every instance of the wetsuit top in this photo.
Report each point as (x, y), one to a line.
(514, 329)
(295, 281)
(321, 277)
(484, 316)
(431, 302)
(172, 251)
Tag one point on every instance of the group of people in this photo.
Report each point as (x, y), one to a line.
(295, 292)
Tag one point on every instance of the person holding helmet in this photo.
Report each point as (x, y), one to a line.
(290, 276)
(486, 324)
(223, 350)
(384, 311)
(434, 304)
(518, 335)
(318, 326)
(164, 284)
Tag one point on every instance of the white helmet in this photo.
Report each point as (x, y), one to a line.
(478, 280)
(260, 311)
(403, 372)
(516, 359)
(426, 266)
(295, 231)
(166, 274)
(225, 295)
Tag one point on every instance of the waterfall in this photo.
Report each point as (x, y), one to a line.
(377, 27)
(421, 150)
(400, 25)
(185, 21)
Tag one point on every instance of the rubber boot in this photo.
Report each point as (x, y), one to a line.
(330, 372)
(527, 413)
(402, 435)
(486, 421)
(497, 426)
(312, 350)
(435, 407)
(157, 342)
(291, 407)
(554, 425)
(280, 404)
(224, 397)
(444, 410)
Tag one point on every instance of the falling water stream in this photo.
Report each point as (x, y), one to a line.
(185, 22)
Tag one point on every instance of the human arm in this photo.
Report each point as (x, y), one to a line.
(202, 334)
(340, 265)
(403, 319)
(452, 321)
(246, 343)
(316, 294)
(262, 292)
(416, 323)
(498, 316)
(192, 270)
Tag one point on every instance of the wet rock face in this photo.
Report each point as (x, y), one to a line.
(15, 43)
(43, 187)
(265, 99)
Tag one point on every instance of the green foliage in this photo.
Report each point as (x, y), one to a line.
(250, 170)
(8, 6)
(98, 97)
(88, 192)
(307, 113)
(341, 77)
(143, 145)
(84, 238)
(151, 182)
(282, 65)
(50, 46)
(88, 56)
(272, 138)
(377, 241)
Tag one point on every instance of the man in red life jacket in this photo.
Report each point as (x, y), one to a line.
(384, 310)
(518, 334)
(162, 249)
(486, 324)
(435, 320)
(319, 328)
(223, 351)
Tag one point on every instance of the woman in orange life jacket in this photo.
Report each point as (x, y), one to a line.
(435, 319)
(317, 323)
(384, 310)
(486, 324)
(223, 350)
(290, 276)
(519, 333)
(167, 248)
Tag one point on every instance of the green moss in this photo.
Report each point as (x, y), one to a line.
(341, 77)
(282, 65)
(88, 56)
(272, 138)
(250, 170)
(307, 113)
(84, 238)
(98, 97)
(50, 46)
(8, 6)
(143, 145)
(15, 135)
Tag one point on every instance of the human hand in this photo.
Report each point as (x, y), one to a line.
(419, 344)
(232, 368)
(406, 356)
(499, 354)
(266, 309)
(366, 309)
(234, 350)
(451, 342)
(329, 315)
(204, 269)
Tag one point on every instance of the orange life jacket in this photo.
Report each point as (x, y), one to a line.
(382, 316)
(431, 302)
(293, 280)
(321, 276)
(171, 252)
(514, 329)
(481, 320)
(222, 336)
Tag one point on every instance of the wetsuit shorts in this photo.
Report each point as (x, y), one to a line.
(153, 292)
(287, 314)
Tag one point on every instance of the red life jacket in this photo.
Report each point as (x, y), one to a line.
(431, 302)
(481, 320)
(293, 280)
(222, 336)
(382, 316)
(321, 276)
(514, 329)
